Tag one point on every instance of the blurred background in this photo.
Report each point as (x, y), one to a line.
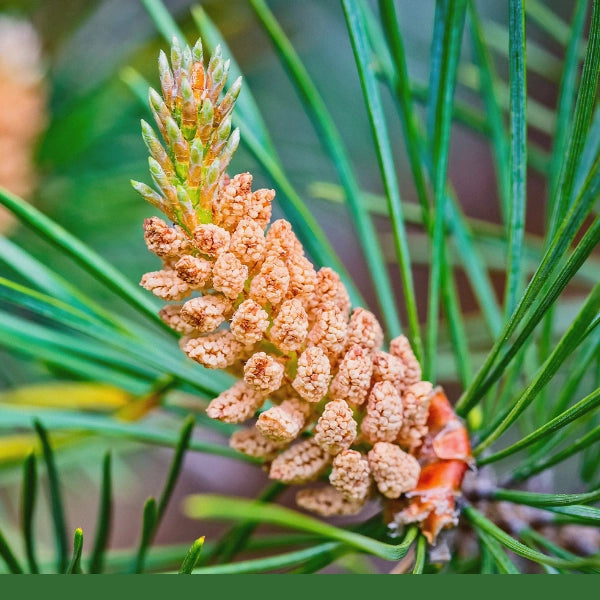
(70, 142)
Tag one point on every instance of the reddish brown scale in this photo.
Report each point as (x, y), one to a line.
(446, 456)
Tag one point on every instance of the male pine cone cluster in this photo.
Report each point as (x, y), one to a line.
(260, 310)
(22, 108)
(246, 299)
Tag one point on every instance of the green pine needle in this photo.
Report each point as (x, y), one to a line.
(56, 502)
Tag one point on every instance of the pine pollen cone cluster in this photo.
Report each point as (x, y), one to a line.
(22, 108)
(325, 400)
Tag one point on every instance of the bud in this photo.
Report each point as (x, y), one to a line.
(229, 149)
(156, 149)
(235, 405)
(400, 347)
(248, 242)
(387, 367)
(300, 463)
(353, 378)
(171, 315)
(253, 443)
(159, 110)
(329, 288)
(229, 275)
(179, 146)
(196, 161)
(271, 283)
(290, 326)
(209, 187)
(197, 78)
(216, 76)
(205, 120)
(263, 373)
(226, 105)
(302, 276)
(184, 200)
(197, 53)
(415, 401)
(157, 103)
(166, 78)
(194, 270)
(205, 313)
(394, 471)
(283, 423)
(188, 215)
(351, 475)
(212, 174)
(220, 78)
(383, 420)
(151, 196)
(165, 284)
(260, 206)
(206, 114)
(175, 55)
(329, 330)
(162, 181)
(188, 108)
(166, 242)
(217, 350)
(312, 375)
(327, 502)
(211, 239)
(186, 59)
(221, 135)
(215, 70)
(336, 428)
(364, 329)
(249, 322)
